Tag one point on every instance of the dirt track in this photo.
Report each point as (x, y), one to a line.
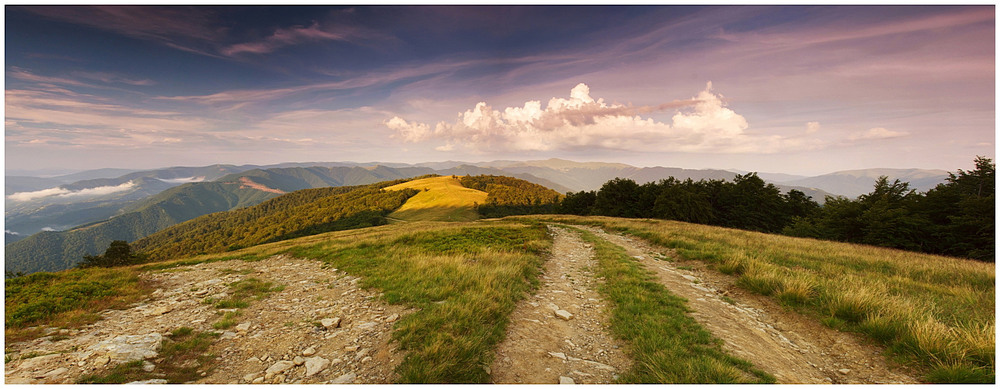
(540, 346)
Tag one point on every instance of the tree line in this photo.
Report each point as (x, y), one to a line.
(955, 218)
(511, 196)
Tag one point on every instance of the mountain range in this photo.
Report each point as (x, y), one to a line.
(51, 222)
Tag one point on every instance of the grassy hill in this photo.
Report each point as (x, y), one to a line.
(300, 213)
(52, 251)
(440, 199)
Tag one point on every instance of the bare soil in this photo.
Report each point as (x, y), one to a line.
(541, 347)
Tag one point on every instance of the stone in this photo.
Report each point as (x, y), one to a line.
(243, 327)
(552, 306)
(147, 382)
(330, 323)
(366, 326)
(127, 348)
(157, 311)
(148, 366)
(351, 348)
(308, 352)
(562, 314)
(250, 377)
(56, 372)
(298, 361)
(258, 380)
(345, 379)
(366, 359)
(228, 335)
(844, 371)
(558, 355)
(563, 380)
(315, 365)
(392, 318)
(278, 368)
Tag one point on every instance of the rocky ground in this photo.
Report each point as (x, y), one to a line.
(323, 328)
(559, 335)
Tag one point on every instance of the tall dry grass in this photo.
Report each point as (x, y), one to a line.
(937, 311)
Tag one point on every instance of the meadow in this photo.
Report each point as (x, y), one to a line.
(933, 311)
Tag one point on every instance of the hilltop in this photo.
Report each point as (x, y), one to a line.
(438, 199)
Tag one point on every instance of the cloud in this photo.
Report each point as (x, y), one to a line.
(113, 78)
(192, 29)
(28, 196)
(63, 192)
(288, 36)
(812, 127)
(182, 180)
(701, 124)
(877, 133)
(410, 132)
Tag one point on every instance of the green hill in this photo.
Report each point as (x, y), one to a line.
(53, 251)
(58, 250)
(300, 213)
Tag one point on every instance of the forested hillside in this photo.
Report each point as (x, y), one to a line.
(304, 212)
(52, 250)
(58, 250)
(511, 196)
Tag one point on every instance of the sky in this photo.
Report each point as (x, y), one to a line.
(786, 89)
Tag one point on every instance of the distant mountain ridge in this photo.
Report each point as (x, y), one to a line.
(139, 203)
(853, 183)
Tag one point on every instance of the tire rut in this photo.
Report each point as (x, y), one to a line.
(790, 346)
(542, 348)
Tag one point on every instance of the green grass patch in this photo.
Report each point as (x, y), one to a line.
(889, 295)
(67, 299)
(667, 345)
(184, 356)
(464, 282)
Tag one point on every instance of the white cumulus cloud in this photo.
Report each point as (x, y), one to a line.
(701, 124)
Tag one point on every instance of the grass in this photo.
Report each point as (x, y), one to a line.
(464, 281)
(935, 312)
(66, 299)
(239, 293)
(183, 357)
(667, 345)
(444, 200)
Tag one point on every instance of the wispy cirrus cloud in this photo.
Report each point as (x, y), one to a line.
(192, 29)
(47, 117)
(291, 36)
(876, 134)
